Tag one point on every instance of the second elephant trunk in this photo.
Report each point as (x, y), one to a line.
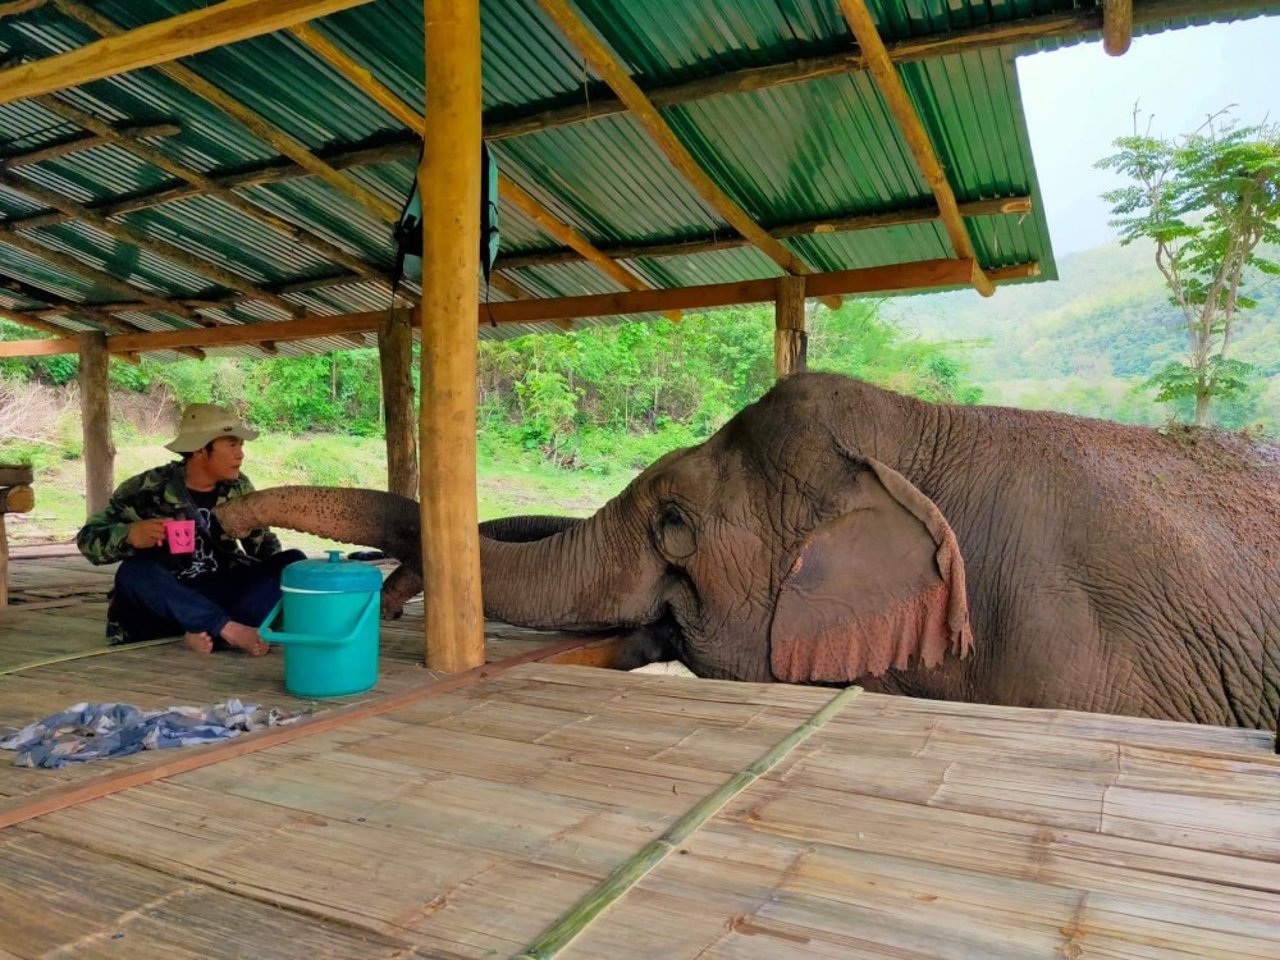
(371, 518)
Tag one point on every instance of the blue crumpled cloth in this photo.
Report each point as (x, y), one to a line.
(96, 731)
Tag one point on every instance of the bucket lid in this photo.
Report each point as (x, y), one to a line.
(334, 575)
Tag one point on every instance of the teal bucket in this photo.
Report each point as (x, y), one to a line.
(329, 626)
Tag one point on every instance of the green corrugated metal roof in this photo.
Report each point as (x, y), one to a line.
(818, 149)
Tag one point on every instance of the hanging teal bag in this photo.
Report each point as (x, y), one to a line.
(408, 229)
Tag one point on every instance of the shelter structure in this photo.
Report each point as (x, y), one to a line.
(186, 177)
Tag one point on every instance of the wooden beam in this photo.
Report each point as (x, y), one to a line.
(281, 331)
(71, 265)
(161, 248)
(162, 41)
(1117, 26)
(15, 7)
(509, 287)
(275, 171)
(911, 277)
(81, 142)
(39, 324)
(128, 138)
(603, 62)
(61, 307)
(364, 81)
(264, 131)
(519, 198)
(898, 101)
(790, 341)
(395, 361)
(838, 224)
(449, 181)
(1067, 25)
(95, 418)
(17, 499)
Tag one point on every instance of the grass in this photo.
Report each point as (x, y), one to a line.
(508, 482)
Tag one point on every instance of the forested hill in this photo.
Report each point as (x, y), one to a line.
(1084, 342)
(1109, 314)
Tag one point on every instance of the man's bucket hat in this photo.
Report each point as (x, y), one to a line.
(202, 423)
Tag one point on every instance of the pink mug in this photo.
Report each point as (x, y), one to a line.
(181, 535)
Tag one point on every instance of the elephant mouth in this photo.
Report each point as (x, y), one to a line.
(655, 642)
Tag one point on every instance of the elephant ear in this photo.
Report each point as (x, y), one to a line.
(879, 584)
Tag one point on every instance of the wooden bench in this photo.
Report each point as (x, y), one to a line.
(16, 496)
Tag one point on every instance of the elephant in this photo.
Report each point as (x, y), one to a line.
(834, 532)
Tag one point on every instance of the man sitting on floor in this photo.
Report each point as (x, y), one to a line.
(216, 592)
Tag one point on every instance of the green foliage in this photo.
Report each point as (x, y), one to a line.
(859, 341)
(1222, 378)
(55, 370)
(548, 408)
(324, 460)
(1210, 202)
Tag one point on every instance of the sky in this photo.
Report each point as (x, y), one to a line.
(1078, 100)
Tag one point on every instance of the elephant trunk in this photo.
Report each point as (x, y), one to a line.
(372, 518)
(593, 575)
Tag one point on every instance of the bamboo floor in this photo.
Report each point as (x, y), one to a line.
(464, 822)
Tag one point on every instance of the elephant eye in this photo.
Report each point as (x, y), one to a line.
(675, 535)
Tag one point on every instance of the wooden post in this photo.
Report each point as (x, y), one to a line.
(449, 181)
(1117, 26)
(95, 416)
(790, 342)
(395, 356)
(15, 499)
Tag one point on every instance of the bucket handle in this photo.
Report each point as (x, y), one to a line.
(272, 636)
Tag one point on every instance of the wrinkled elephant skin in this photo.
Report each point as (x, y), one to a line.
(835, 532)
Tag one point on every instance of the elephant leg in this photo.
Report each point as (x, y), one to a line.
(403, 585)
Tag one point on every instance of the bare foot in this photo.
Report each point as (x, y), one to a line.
(199, 642)
(245, 638)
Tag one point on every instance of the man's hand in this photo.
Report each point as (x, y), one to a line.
(146, 533)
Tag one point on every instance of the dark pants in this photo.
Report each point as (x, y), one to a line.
(151, 602)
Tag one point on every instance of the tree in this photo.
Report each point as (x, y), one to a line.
(1209, 201)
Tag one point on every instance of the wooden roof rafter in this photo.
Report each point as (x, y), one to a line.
(606, 65)
(898, 101)
(160, 248)
(360, 156)
(923, 275)
(129, 140)
(81, 142)
(162, 41)
(58, 306)
(14, 7)
(76, 268)
(259, 127)
(1041, 26)
(1016, 206)
(362, 79)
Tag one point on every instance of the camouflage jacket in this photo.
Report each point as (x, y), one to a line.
(162, 493)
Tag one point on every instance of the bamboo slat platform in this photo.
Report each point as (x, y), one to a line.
(463, 824)
(53, 655)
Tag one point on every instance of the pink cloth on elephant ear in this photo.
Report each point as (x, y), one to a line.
(870, 590)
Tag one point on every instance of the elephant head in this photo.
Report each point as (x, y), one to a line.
(780, 548)
(786, 546)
